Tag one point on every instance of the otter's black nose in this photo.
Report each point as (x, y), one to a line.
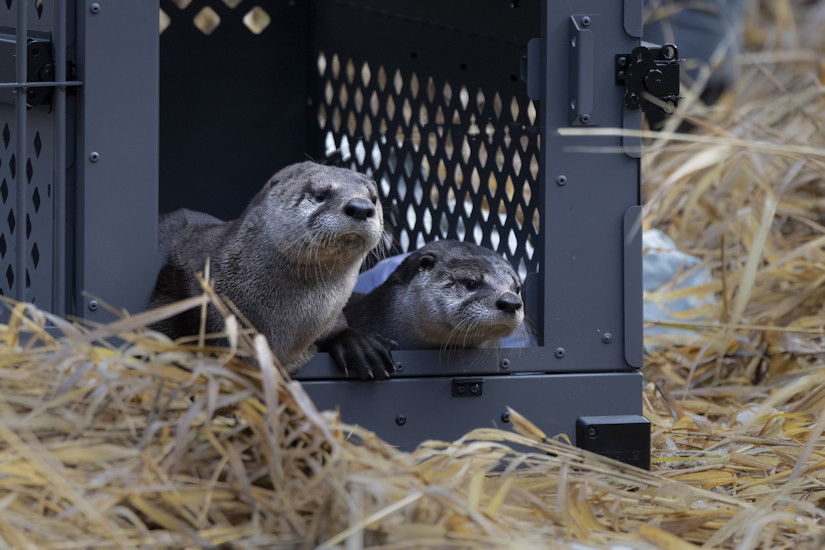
(360, 209)
(509, 302)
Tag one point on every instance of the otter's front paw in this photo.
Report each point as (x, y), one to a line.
(368, 355)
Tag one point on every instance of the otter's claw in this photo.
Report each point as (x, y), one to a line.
(368, 355)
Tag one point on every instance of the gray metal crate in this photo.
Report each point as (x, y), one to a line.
(86, 193)
(426, 96)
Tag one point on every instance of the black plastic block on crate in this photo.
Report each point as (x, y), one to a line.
(625, 438)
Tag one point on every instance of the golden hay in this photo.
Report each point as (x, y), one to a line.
(151, 443)
(122, 446)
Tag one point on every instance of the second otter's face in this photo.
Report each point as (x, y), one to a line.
(464, 294)
(338, 210)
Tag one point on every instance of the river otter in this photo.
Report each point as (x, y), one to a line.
(289, 262)
(445, 294)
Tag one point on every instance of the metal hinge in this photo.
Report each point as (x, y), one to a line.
(650, 76)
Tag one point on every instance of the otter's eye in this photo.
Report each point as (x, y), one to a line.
(374, 199)
(517, 290)
(320, 196)
(471, 284)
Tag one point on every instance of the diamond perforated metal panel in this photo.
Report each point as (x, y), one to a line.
(37, 170)
(455, 157)
(452, 160)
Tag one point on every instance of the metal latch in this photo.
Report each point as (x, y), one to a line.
(650, 76)
(468, 387)
(40, 62)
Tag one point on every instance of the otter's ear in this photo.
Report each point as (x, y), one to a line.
(411, 266)
(427, 261)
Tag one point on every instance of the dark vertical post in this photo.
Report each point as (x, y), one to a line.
(117, 155)
(20, 136)
(588, 194)
(59, 277)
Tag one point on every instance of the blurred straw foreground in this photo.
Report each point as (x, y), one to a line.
(158, 444)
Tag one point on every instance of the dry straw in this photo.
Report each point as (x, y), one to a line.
(143, 442)
(150, 443)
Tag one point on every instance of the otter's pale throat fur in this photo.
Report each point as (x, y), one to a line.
(289, 262)
(446, 294)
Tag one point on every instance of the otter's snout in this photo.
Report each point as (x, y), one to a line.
(360, 209)
(509, 302)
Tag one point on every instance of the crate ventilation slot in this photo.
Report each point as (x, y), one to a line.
(207, 18)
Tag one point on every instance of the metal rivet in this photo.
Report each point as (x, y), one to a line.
(505, 417)
(94, 8)
(621, 75)
(400, 419)
(93, 305)
(607, 338)
(505, 363)
(559, 353)
(399, 367)
(585, 21)
(94, 156)
(592, 432)
(621, 61)
(561, 180)
(585, 118)
(475, 388)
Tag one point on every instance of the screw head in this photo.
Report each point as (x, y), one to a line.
(505, 364)
(399, 367)
(94, 8)
(559, 353)
(400, 419)
(592, 432)
(607, 338)
(93, 305)
(505, 417)
(461, 389)
(561, 180)
(621, 61)
(475, 388)
(94, 156)
(585, 118)
(585, 21)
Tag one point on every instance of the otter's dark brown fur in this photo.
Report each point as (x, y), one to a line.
(289, 262)
(445, 294)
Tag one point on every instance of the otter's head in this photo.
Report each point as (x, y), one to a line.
(464, 294)
(322, 214)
